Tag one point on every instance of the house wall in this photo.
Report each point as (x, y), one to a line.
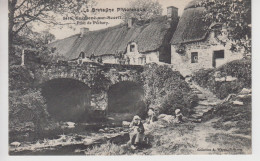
(137, 58)
(109, 59)
(205, 49)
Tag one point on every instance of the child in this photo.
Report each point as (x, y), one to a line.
(136, 132)
(178, 116)
(151, 115)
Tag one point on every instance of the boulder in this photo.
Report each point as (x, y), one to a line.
(230, 78)
(88, 141)
(246, 91)
(161, 116)
(222, 79)
(125, 124)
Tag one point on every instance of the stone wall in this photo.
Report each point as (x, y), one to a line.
(205, 49)
(114, 73)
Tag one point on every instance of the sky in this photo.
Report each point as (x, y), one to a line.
(66, 31)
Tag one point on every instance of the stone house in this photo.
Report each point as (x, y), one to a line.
(135, 42)
(195, 45)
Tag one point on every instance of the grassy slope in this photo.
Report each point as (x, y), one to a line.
(228, 131)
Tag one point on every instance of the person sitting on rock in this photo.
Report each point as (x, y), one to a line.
(179, 116)
(151, 115)
(136, 132)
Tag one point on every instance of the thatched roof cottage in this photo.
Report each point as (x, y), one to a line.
(194, 46)
(135, 42)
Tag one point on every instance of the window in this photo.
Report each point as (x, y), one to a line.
(143, 60)
(194, 57)
(219, 54)
(218, 58)
(132, 48)
(82, 55)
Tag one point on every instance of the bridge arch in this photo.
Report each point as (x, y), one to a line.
(67, 99)
(126, 97)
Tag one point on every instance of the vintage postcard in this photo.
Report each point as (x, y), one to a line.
(129, 77)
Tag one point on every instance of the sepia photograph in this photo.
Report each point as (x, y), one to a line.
(129, 77)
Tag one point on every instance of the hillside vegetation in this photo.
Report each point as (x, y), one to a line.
(227, 79)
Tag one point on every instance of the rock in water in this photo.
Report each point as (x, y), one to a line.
(15, 144)
(101, 130)
(70, 124)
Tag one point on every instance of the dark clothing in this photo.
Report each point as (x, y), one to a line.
(140, 127)
(137, 133)
(179, 117)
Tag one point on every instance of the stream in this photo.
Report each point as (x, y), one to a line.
(71, 141)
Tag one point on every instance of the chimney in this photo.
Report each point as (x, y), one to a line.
(172, 13)
(130, 22)
(83, 31)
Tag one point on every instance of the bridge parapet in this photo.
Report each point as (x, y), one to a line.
(113, 73)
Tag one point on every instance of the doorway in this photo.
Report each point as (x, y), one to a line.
(218, 58)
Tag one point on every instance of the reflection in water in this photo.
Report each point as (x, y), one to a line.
(126, 97)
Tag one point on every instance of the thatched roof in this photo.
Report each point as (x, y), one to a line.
(191, 27)
(148, 35)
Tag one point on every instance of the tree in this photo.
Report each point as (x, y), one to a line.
(235, 15)
(23, 12)
(151, 8)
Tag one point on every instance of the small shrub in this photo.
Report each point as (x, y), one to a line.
(27, 108)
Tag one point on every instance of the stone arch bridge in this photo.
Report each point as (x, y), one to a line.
(100, 79)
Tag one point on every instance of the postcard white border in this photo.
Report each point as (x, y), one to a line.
(4, 105)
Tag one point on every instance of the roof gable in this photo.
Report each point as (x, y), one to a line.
(191, 27)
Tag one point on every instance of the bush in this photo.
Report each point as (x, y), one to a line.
(166, 90)
(241, 69)
(20, 78)
(27, 111)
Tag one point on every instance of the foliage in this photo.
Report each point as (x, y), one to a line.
(27, 108)
(47, 56)
(152, 9)
(166, 90)
(20, 78)
(23, 12)
(99, 82)
(240, 69)
(235, 15)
